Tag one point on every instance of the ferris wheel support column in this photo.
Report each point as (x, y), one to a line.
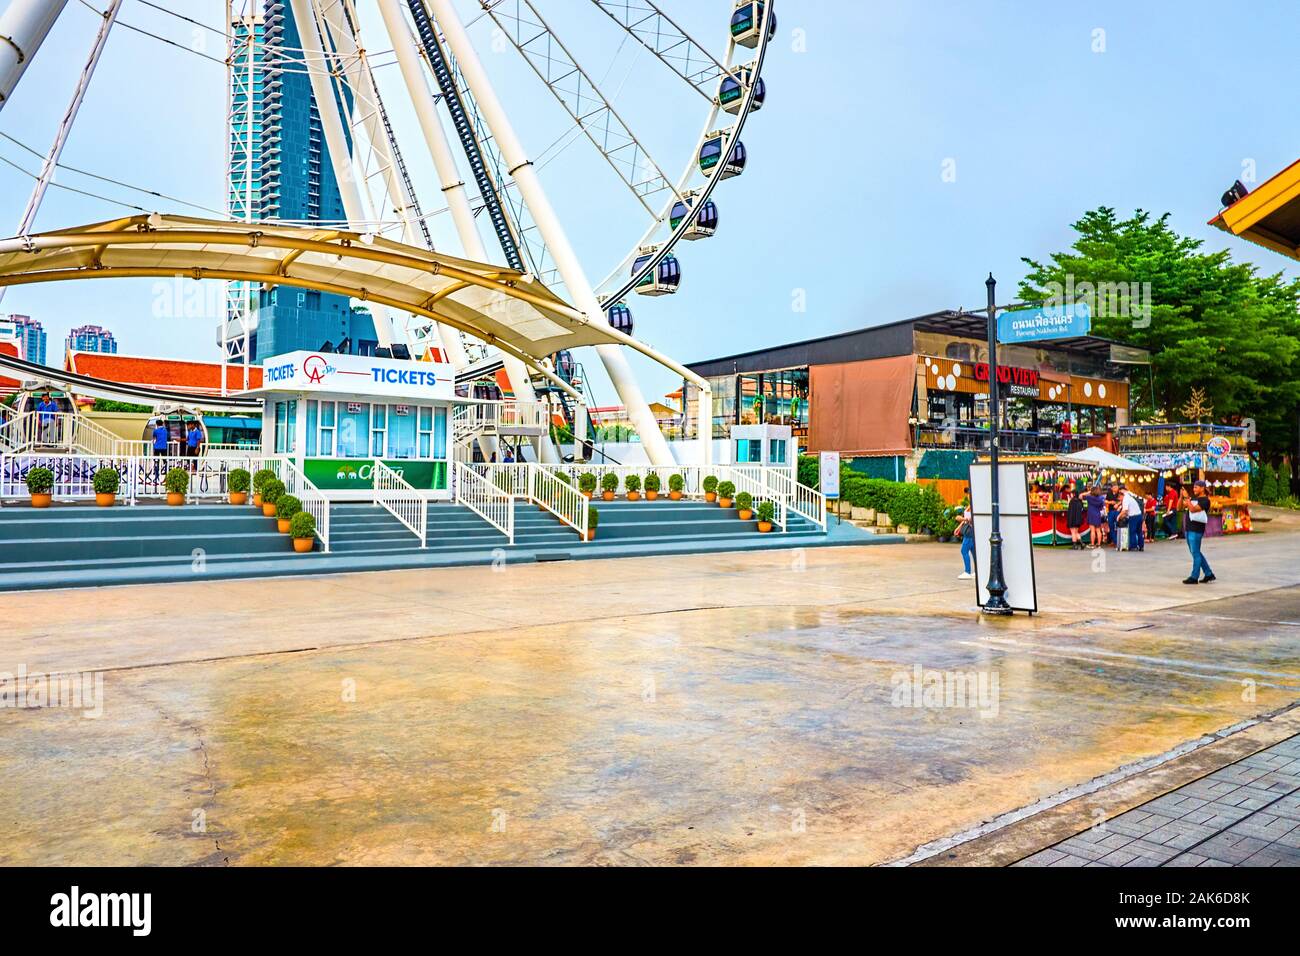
(65, 127)
(335, 140)
(23, 28)
(453, 186)
(548, 224)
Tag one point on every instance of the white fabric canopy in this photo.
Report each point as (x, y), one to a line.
(1100, 458)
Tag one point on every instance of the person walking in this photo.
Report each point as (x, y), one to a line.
(1198, 519)
(966, 528)
(1096, 503)
(1076, 513)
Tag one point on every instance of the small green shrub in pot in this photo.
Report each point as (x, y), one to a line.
(726, 491)
(587, 483)
(710, 485)
(286, 506)
(565, 477)
(766, 514)
(239, 480)
(272, 490)
(609, 483)
(593, 519)
(652, 482)
(106, 481)
(260, 479)
(40, 481)
(676, 483)
(744, 502)
(177, 481)
(632, 483)
(302, 528)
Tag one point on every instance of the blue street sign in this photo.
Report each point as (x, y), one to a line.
(1046, 322)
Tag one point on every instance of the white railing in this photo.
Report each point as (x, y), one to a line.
(401, 500)
(300, 486)
(802, 500)
(511, 478)
(559, 497)
(752, 479)
(73, 434)
(508, 417)
(488, 501)
(141, 477)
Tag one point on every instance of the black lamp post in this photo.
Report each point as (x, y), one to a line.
(997, 588)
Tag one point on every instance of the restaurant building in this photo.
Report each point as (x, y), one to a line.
(887, 396)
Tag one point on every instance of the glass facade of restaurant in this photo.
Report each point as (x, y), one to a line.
(760, 398)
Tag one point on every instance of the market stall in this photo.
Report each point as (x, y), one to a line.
(1228, 477)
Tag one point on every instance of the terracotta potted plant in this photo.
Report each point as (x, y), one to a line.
(271, 492)
(40, 484)
(766, 513)
(237, 482)
(608, 485)
(633, 485)
(710, 485)
(744, 506)
(726, 492)
(106, 481)
(177, 483)
(587, 484)
(286, 506)
(652, 484)
(302, 528)
(675, 485)
(260, 478)
(593, 519)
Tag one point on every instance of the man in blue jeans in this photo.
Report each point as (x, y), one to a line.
(966, 528)
(1198, 519)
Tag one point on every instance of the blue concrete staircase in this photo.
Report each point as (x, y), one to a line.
(87, 546)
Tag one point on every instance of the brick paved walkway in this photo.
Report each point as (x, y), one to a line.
(1246, 814)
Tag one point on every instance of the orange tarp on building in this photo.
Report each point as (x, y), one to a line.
(861, 408)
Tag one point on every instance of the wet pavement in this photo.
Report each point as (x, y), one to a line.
(828, 706)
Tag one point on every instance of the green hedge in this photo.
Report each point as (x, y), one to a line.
(913, 505)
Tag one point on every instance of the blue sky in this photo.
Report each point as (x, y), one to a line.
(844, 206)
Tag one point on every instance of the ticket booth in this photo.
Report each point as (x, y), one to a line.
(334, 415)
(769, 445)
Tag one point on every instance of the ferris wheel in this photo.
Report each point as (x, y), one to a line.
(662, 169)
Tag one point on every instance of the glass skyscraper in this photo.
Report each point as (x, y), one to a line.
(30, 337)
(280, 170)
(91, 338)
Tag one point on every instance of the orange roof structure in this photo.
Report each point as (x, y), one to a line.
(201, 378)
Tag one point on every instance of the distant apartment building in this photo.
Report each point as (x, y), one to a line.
(28, 334)
(280, 171)
(91, 338)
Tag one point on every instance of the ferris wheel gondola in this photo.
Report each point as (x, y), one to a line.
(705, 220)
(663, 279)
(733, 88)
(711, 153)
(747, 23)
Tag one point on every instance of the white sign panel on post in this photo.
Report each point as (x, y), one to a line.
(1017, 540)
(829, 474)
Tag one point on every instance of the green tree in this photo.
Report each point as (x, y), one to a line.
(1213, 323)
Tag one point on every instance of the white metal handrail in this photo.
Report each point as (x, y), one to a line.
(488, 501)
(753, 481)
(800, 499)
(511, 477)
(300, 486)
(396, 495)
(141, 476)
(559, 497)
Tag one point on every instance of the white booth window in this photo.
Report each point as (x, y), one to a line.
(776, 451)
(369, 430)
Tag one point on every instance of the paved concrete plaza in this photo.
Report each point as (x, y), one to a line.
(734, 709)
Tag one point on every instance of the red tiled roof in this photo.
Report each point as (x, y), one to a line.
(197, 377)
(9, 384)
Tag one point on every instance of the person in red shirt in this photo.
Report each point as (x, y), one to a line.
(1171, 510)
